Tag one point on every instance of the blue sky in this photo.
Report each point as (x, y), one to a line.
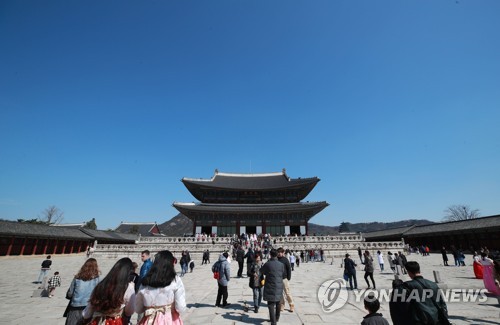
(106, 105)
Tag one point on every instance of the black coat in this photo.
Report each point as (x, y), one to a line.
(288, 267)
(274, 273)
(349, 266)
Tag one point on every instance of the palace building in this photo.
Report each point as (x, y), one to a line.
(250, 203)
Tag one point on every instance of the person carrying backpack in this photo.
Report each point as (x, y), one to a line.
(222, 272)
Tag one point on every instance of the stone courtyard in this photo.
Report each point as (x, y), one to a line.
(18, 307)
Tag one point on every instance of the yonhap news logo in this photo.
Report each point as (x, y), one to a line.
(332, 295)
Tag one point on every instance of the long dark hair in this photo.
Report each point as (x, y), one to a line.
(162, 272)
(108, 294)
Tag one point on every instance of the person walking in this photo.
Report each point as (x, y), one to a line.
(380, 257)
(287, 294)
(45, 269)
(240, 258)
(223, 281)
(350, 271)
(292, 260)
(184, 263)
(250, 256)
(445, 256)
(419, 299)
(79, 291)
(113, 298)
(256, 282)
(391, 262)
(162, 296)
(369, 269)
(403, 262)
(372, 305)
(274, 272)
(360, 254)
(54, 281)
(147, 263)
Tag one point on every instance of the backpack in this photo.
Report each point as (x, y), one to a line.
(216, 269)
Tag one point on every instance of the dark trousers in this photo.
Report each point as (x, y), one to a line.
(351, 277)
(240, 269)
(369, 274)
(221, 293)
(274, 311)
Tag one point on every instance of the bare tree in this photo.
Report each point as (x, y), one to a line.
(52, 215)
(459, 212)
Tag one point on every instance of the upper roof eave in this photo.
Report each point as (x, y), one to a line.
(256, 181)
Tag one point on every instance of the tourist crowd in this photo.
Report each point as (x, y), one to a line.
(157, 295)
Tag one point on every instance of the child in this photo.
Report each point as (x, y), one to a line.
(191, 266)
(54, 281)
(372, 305)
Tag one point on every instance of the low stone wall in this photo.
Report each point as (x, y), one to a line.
(333, 246)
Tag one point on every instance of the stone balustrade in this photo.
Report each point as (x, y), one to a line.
(335, 246)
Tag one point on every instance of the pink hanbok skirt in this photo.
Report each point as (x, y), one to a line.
(170, 317)
(489, 279)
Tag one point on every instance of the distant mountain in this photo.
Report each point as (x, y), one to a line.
(365, 226)
(177, 226)
(180, 225)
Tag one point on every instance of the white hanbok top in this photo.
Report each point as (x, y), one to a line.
(174, 293)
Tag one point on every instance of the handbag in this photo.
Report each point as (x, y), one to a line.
(69, 297)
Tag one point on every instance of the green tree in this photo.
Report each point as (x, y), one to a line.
(35, 221)
(344, 227)
(91, 224)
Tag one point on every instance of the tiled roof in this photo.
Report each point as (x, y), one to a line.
(484, 223)
(142, 228)
(12, 228)
(250, 181)
(254, 208)
(70, 225)
(108, 236)
(387, 232)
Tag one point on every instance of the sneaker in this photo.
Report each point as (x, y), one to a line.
(225, 305)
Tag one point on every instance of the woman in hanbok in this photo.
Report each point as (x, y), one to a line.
(477, 266)
(489, 274)
(113, 298)
(161, 296)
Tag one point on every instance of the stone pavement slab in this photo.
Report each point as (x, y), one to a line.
(18, 273)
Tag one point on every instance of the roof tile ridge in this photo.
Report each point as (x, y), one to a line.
(137, 223)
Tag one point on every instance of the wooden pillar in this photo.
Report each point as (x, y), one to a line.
(63, 250)
(23, 247)
(46, 246)
(55, 246)
(33, 251)
(9, 249)
(72, 246)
